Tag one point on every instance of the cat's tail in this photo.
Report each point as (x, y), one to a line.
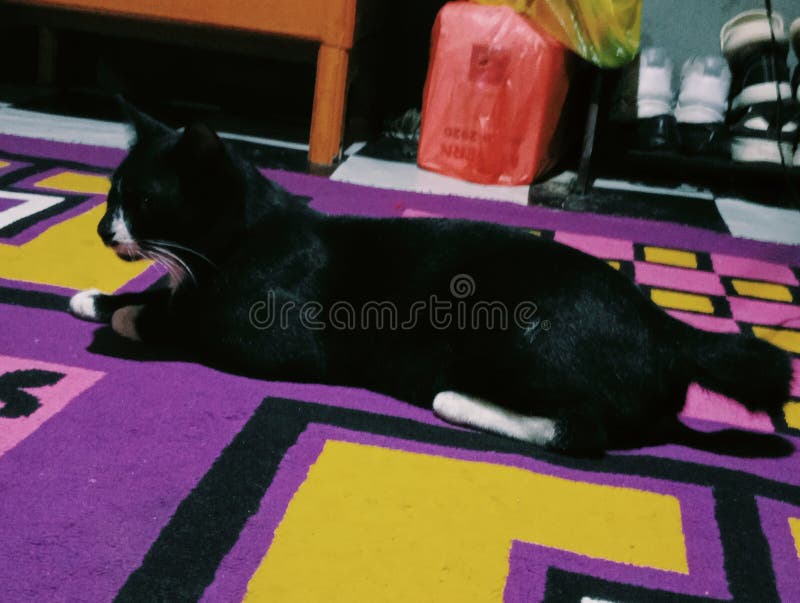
(750, 370)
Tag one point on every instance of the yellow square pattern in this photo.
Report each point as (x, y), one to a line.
(672, 257)
(682, 301)
(75, 182)
(783, 338)
(794, 526)
(394, 523)
(792, 413)
(614, 264)
(762, 290)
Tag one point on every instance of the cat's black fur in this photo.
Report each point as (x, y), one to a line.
(598, 357)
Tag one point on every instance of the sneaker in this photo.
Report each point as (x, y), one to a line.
(762, 106)
(655, 94)
(656, 128)
(702, 102)
(758, 136)
(760, 72)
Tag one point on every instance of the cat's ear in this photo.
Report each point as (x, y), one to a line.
(144, 126)
(200, 146)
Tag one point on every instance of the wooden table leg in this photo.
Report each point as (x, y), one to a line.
(583, 182)
(327, 117)
(46, 67)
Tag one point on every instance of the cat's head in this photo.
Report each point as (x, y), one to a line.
(174, 189)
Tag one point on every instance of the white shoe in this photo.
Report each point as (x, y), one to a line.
(655, 94)
(705, 83)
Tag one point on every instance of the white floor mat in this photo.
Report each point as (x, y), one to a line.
(760, 222)
(408, 177)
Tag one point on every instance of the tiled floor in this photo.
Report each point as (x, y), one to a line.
(363, 165)
(377, 165)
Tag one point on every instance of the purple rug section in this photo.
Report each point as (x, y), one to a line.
(342, 198)
(84, 496)
(102, 157)
(75, 513)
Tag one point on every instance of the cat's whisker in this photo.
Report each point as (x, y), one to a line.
(182, 264)
(176, 261)
(173, 244)
(175, 271)
(161, 247)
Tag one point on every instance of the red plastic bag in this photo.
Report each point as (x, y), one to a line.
(494, 93)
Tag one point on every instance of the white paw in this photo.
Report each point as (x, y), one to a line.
(448, 406)
(480, 414)
(124, 322)
(83, 304)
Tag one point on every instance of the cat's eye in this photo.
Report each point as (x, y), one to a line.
(141, 200)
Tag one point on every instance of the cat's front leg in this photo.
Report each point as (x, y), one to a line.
(99, 307)
(148, 322)
(124, 322)
(88, 305)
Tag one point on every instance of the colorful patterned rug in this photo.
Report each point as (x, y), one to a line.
(130, 475)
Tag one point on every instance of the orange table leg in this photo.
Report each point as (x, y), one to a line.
(327, 117)
(48, 46)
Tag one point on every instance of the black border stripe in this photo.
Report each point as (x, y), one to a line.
(33, 299)
(748, 562)
(17, 175)
(564, 586)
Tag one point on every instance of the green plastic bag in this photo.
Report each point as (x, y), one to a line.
(605, 32)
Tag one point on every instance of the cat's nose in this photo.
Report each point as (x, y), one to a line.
(104, 230)
(108, 237)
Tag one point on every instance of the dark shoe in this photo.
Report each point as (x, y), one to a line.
(761, 135)
(762, 79)
(709, 139)
(641, 111)
(759, 68)
(659, 133)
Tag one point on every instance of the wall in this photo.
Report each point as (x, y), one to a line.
(691, 27)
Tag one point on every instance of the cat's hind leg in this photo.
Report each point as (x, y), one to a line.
(577, 433)
(480, 414)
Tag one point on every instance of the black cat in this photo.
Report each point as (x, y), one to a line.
(494, 327)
